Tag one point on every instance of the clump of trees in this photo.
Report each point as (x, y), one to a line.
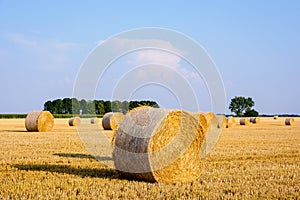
(75, 106)
(242, 106)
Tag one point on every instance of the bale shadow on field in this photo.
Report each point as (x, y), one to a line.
(19, 131)
(80, 155)
(74, 155)
(65, 169)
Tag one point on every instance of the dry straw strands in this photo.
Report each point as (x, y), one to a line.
(244, 121)
(210, 117)
(255, 120)
(222, 121)
(230, 122)
(289, 121)
(39, 121)
(74, 121)
(95, 120)
(159, 145)
(112, 120)
(200, 117)
(136, 108)
(211, 127)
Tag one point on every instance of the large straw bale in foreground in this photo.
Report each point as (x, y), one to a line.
(289, 121)
(112, 120)
(39, 121)
(139, 107)
(159, 145)
(74, 121)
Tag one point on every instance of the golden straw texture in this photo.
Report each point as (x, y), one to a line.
(221, 121)
(244, 121)
(159, 145)
(74, 121)
(255, 120)
(95, 120)
(39, 121)
(112, 120)
(230, 122)
(289, 121)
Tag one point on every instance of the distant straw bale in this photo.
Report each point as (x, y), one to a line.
(222, 121)
(289, 121)
(211, 117)
(230, 122)
(275, 117)
(74, 121)
(39, 121)
(159, 145)
(212, 131)
(95, 120)
(244, 121)
(112, 120)
(255, 120)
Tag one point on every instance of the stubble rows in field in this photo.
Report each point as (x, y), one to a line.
(254, 161)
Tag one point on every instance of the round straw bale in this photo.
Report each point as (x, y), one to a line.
(112, 120)
(221, 121)
(230, 122)
(255, 120)
(95, 120)
(210, 117)
(200, 117)
(39, 121)
(289, 121)
(159, 145)
(74, 121)
(136, 108)
(244, 121)
(275, 117)
(211, 131)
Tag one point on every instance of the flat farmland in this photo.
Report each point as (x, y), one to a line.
(249, 162)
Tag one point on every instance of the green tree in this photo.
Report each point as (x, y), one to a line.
(125, 107)
(58, 106)
(107, 106)
(116, 106)
(48, 106)
(91, 107)
(239, 105)
(75, 106)
(83, 106)
(99, 107)
(251, 113)
(67, 106)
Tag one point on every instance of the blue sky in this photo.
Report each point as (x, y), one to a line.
(255, 45)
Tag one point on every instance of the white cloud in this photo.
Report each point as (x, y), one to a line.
(155, 56)
(23, 41)
(159, 57)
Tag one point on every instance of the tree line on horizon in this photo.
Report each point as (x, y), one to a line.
(75, 106)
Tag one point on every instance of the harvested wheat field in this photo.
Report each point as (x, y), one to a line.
(249, 162)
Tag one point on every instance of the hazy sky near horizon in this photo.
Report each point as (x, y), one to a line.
(254, 44)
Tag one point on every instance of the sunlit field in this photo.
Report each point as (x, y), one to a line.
(253, 161)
